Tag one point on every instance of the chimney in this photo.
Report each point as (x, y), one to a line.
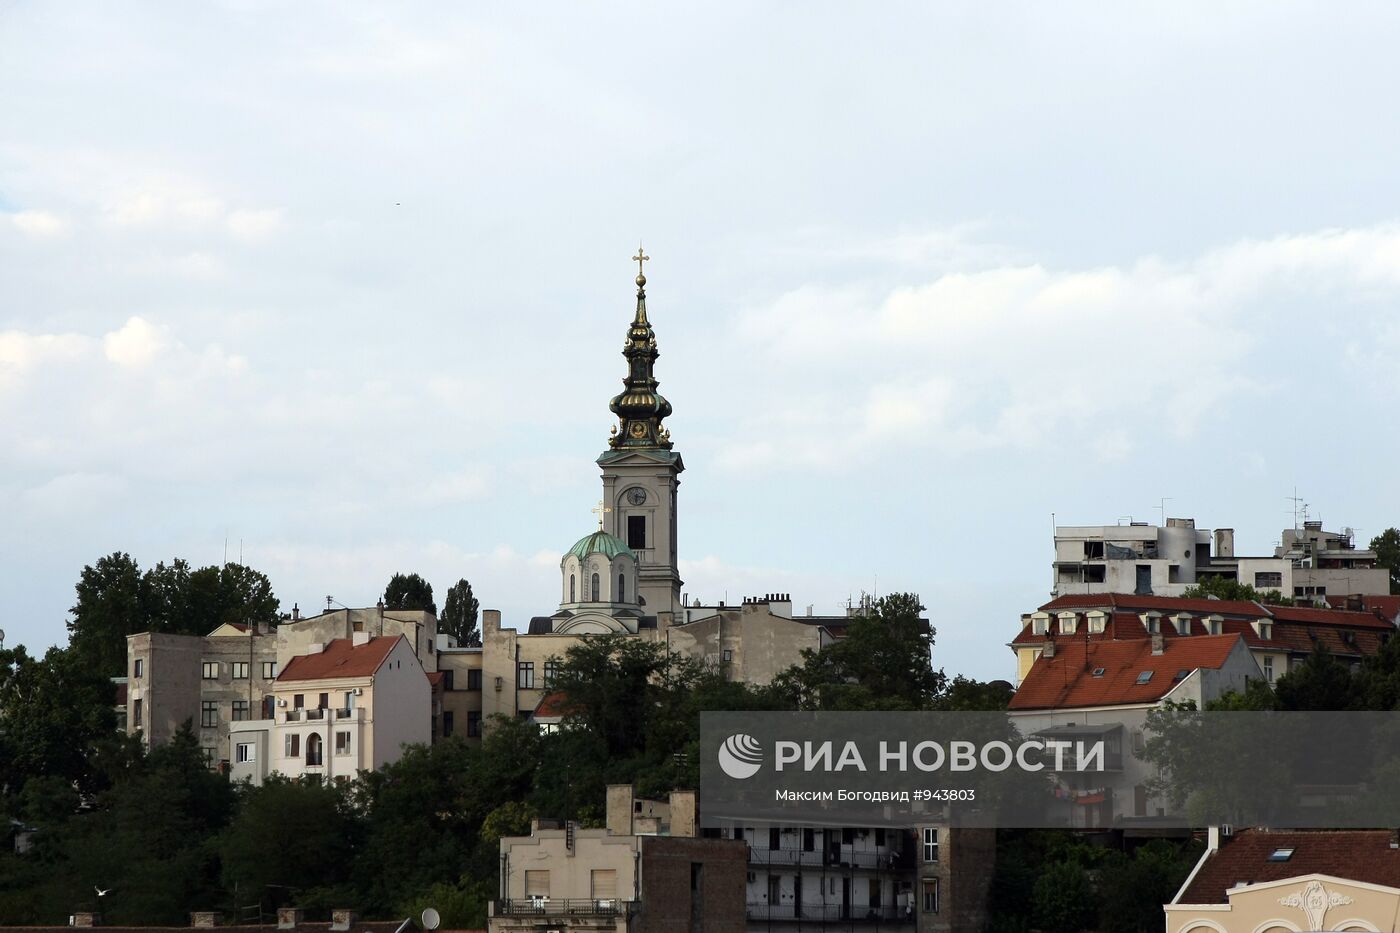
(359, 638)
(490, 623)
(343, 919)
(1049, 650)
(664, 620)
(288, 918)
(86, 919)
(1158, 645)
(619, 809)
(296, 612)
(204, 919)
(683, 813)
(379, 606)
(1395, 839)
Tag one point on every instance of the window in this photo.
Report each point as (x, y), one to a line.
(245, 751)
(1269, 668)
(447, 723)
(1069, 624)
(930, 843)
(291, 746)
(536, 883)
(525, 675)
(136, 712)
(1268, 580)
(931, 896)
(298, 700)
(208, 714)
(474, 679)
(1143, 677)
(728, 655)
(551, 669)
(809, 840)
(269, 707)
(138, 667)
(571, 588)
(325, 701)
(1213, 626)
(879, 837)
(211, 670)
(602, 884)
(342, 743)
(597, 592)
(208, 751)
(774, 839)
(621, 596)
(241, 710)
(473, 724)
(239, 670)
(636, 532)
(349, 700)
(1098, 672)
(313, 749)
(1281, 854)
(269, 670)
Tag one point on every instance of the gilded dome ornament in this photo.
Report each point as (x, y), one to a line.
(639, 407)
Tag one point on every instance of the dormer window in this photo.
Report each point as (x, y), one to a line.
(1214, 625)
(1152, 621)
(1183, 624)
(1097, 622)
(1040, 623)
(1069, 623)
(1264, 629)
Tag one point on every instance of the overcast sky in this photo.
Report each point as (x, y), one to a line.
(345, 286)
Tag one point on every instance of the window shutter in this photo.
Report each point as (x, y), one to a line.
(536, 883)
(604, 884)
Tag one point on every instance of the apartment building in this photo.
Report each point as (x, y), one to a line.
(337, 709)
(1279, 637)
(227, 677)
(1086, 690)
(1310, 564)
(647, 870)
(1261, 881)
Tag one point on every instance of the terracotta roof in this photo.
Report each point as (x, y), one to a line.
(1067, 679)
(1330, 616)
(1358, 855)
(341, 658)
(553, 706)
(1160, 603)
(1387, 607)
(436, 677)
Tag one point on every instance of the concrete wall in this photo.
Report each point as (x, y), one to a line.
(418, 627)
(400, 711)
(460, 701)
(169, 686)
(761, 643)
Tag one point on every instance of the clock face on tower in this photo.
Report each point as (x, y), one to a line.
(636, 495)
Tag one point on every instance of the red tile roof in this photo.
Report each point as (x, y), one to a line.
(1160, 603)
(341, 658)
(554, 706)
(1067, 679)
(1358, 855)
(1387, 607)
(436, 677)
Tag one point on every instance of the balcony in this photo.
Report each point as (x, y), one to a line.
(292, 715)
(315, 714)
(562, 906)
(830, 913)
(882, 859)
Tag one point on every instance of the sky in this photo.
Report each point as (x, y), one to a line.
(341, 288)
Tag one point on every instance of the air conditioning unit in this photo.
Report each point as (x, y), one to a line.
(281, 701)
(358, 691)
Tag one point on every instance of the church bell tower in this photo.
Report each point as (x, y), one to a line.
(640, 470)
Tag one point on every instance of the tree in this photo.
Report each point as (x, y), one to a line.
(1319, 683)
(1063, 900)
(1228, 589)
(1387, 548)
(884, 662)
(459, 615)
(1135, 887)
(409, 591)
(108, 609)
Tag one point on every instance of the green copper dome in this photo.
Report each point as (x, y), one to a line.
(600, 542)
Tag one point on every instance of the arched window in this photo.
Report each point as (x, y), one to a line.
(621, 588)
(571, 588)
(597, 589)
(313, 749)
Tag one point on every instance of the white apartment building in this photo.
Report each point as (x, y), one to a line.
(339, 708)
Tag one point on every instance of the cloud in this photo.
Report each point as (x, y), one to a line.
(136, 344)
(1027, 357)
(39, 224)
(253, 224)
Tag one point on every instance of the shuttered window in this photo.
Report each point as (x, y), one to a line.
(536, 883)
(604, 884)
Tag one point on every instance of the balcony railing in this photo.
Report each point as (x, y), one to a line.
(344, 713)
(293, 715)
(831, 913)
(315, 714)
(900, 860)
(562, 906)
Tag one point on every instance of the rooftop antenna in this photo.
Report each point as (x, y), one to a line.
(329, 600)
(1296, 502)
(1162, 507)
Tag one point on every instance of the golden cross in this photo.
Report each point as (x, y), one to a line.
(600, 511)
(640, 258)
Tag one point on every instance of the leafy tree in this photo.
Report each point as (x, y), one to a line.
(462, 906)
(1387, 548)
(1063, 899)
(968, 695)
(1134, 888)
(1319, 683)
(409, 591)
(1227, 589)
(108, 609)
(884, 662)
(1257, 696)
(229, 593)
(459, 615)
(288, 837)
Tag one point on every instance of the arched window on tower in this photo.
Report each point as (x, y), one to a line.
(597, 589)
(621, 588)
(571, 588)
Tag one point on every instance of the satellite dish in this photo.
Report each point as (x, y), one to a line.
(431, 919)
